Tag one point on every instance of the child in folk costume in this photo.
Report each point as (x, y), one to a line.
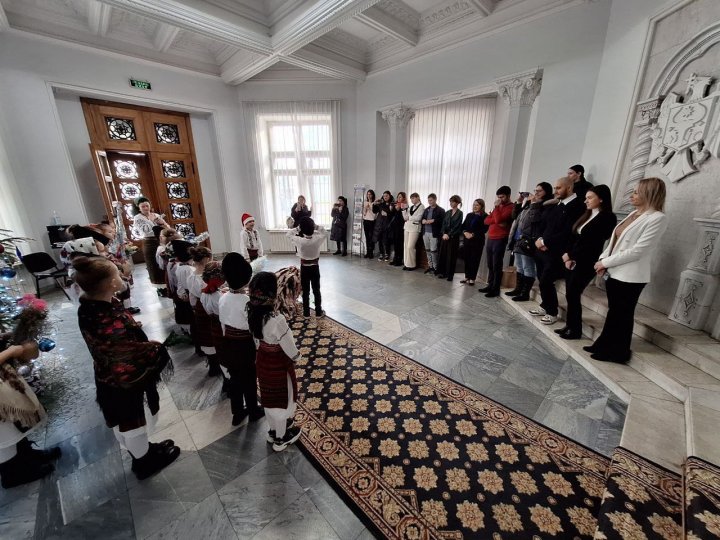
(308, 239)
(127, 365)
(274, 361)
(178, 276)
(202, 331)
(213, 279)
(237, 347)
(162, 255)
(250, 245)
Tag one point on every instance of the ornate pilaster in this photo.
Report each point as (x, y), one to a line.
(398, 119)
(699, 283)
(520, 90)
(646, 115)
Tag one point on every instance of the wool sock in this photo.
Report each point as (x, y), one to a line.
(136, 441)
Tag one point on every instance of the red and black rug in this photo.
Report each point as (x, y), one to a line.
(421, 456)
(701, 499)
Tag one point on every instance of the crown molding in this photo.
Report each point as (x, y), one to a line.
(212, 22)
(313, 58)
(242, 10)
(165, 36)
(344, 44)
(483, 90)
(379, 20)
(485, 7)
(400, 11)
(243, 65)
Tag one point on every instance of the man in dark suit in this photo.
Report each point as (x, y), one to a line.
(555, 234)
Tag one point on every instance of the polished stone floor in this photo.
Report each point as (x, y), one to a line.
(228, 483)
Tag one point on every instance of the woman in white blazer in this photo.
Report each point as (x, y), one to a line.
(413, 216)
(626, 265)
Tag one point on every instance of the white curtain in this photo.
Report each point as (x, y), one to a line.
(296, 151)
(449, 149)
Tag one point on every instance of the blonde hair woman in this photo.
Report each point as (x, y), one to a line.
(626, 265)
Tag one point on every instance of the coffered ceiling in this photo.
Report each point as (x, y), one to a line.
(240, 40)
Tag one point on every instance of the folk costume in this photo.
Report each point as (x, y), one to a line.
(178, 275)
(308, 242)
(250, 244)
(144, 227)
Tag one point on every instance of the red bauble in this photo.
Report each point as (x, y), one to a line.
(2, 248)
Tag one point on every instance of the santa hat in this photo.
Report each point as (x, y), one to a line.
(246, 218)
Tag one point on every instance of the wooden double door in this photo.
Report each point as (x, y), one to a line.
(140, 151)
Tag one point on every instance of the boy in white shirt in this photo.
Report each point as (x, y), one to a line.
(308, 239)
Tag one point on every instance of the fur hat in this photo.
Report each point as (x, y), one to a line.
(237, 270)
(307, 226)
(247, 217)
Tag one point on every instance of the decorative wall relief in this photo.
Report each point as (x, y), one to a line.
(687, 132)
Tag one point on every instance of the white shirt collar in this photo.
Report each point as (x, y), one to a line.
(569, 199)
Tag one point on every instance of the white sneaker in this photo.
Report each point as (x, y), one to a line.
(549, 319)
(538, 311)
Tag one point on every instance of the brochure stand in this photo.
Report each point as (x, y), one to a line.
(356, 247)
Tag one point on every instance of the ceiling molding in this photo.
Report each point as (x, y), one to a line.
(165, 36)
(400, 11)
(245, 64)
(283, 10)
(314, 60)
(379, 20)
(445, 14)
(99, 16)
(344, 44)
(213, 22)
(485, 7)
(242, 10)
(4, 24)
(483, 90)
(293, 33)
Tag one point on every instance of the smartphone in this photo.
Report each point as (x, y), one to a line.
(525, 194)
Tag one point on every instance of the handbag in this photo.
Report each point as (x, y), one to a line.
(526, 245)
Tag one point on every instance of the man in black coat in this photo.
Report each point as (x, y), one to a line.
(555, 234)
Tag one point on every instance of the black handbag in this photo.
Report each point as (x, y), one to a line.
(526, 245)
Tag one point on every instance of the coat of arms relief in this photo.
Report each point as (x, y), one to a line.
(687, 131)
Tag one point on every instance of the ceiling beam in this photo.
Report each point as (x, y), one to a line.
(379, 20)
(202, 18)
(99, 16)
(485, 7)
(4, 23)
(299, 28)
(312, 60)
(243, 65)
(165, 36)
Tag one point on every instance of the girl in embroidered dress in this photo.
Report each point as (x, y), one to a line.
(127, 365)
(202, 334)
(178, 275)
(237, 347)
(250, 245)
(274, 361)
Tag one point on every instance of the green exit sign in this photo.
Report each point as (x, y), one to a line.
(142, 85)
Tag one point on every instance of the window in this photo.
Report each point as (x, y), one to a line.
(295, 147)
(449, 147)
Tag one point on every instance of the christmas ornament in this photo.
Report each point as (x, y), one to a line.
(2, 248)
(46, 344)
(24, 371)
(8, 273)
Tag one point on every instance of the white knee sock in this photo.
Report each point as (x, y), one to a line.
(8, 432)
(136, 441)
(151, 421)
(119, 437)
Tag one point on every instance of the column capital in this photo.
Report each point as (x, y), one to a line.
(521, 89)
(398, 116)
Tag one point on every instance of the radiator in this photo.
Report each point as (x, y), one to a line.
(279, 243)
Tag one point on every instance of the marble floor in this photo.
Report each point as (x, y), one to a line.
(228, 483)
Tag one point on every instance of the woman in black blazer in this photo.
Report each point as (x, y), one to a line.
(590, 233)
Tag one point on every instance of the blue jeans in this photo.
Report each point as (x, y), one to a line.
(525, 265)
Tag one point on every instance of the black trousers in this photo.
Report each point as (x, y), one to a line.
(473, 249)
(398, 243)
(550, 270)
(341, 245)
(575, 283)
(310, 276)
(447, 258)
(369, 229)
(616, 336)
(243, 388)
(495, 256)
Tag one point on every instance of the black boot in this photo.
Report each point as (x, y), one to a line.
(158, 457)
(25, 448)
(518, 286)
(23, 469)
(524, 295)
(214, 366)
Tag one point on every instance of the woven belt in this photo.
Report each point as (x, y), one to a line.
(309, 262)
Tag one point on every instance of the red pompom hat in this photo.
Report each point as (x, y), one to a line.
(246, 218)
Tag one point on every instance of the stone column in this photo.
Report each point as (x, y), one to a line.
(518, 92)
(646, 115)
(398, 119)
(699, 283)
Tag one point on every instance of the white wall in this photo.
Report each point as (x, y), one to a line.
(567, 45)
(46, 139)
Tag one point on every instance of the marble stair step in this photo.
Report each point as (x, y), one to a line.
(702, 417)
(692, 346)
(655, 421)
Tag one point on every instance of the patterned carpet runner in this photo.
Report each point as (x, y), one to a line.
(701, 499)
(422, 457)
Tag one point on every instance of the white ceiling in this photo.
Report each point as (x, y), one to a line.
(240, 40)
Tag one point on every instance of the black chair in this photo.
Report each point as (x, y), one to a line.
(43, 266)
